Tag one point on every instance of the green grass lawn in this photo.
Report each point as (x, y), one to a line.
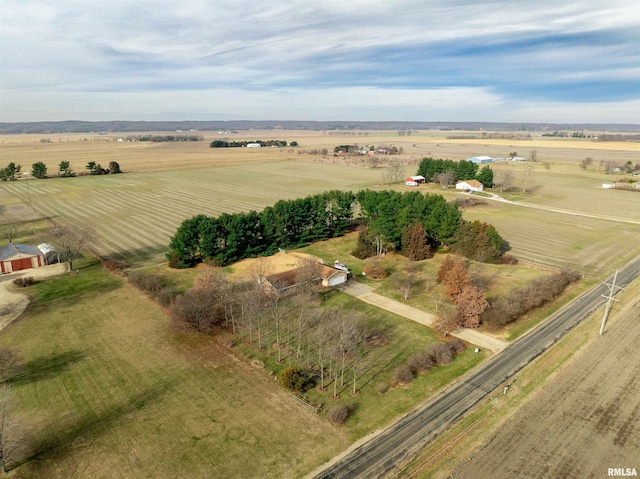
(110, 386)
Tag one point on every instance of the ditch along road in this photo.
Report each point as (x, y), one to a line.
(381, 454)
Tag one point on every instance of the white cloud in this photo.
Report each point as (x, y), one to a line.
(423, 57)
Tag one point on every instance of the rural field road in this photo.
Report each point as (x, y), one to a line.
(607, 217)
(12, 304)
(381, 454)
(366, 294)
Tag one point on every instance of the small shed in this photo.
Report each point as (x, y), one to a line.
(254, 145)
(17, 257)
(469, 185)
(50, 254)
(608, 185)
(414, 180)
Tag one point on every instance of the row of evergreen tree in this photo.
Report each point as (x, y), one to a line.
(430, 168)
(294, 223)
(240, 144)
(287, 224)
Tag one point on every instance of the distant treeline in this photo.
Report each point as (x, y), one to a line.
(50, 127)
(165, 138)
(611, 137)
(492, 136)
(240, 144)
(360, 150)
(294, 223)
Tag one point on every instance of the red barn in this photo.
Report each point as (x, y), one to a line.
(16, 257)
(414, 180)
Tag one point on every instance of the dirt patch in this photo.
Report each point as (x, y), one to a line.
(14, 302)
(583, 422)
(269, 265)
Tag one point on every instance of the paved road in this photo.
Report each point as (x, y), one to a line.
(385, 451)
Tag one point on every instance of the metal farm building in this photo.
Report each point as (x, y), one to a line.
(16, 257)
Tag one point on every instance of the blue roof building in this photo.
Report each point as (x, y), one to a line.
(480, 159)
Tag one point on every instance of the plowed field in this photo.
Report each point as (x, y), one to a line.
(585, 421)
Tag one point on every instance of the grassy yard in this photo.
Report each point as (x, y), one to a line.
(111, 389)
(121, 392)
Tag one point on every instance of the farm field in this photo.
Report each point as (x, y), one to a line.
(593, 246)
(582, 422)
(120, 381)
(122, 392)
(79, 149)
(135, 214)
(568, 187)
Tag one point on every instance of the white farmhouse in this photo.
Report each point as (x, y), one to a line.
(469, 185)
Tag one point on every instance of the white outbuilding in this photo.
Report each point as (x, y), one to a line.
(414, 180)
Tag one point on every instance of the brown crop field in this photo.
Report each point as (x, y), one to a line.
(583, 422)
(79, 149)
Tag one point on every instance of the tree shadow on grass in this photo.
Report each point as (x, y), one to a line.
(43, 367)
(140, 256)
(54, 446)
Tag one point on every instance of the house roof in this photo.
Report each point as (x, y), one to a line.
(474, 183)
(296, 276)
(11, 249)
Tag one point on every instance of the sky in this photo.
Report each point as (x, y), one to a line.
(359, 60)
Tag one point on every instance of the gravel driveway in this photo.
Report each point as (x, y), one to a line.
(12, 302)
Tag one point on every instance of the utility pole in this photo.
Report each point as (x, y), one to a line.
(613, 289)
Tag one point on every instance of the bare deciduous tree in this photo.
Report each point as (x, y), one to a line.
(71, 240)
(15, 443)
(393, 173)
(586, 162)
(446, 179)
(407, 279)
(10, 363)
(309, 273)
(527, 174)
(504, 178)
(260, 268)
(445, 323)
(10, 231)
(198, 307)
